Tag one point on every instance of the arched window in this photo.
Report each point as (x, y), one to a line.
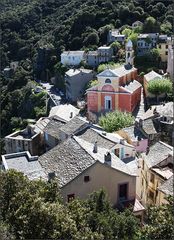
(107, 80)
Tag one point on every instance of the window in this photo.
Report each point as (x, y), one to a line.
(70, 197)
(108, 103)
(152, 178)
(151, 194)
(86, 179)
(143, 164)
(160, 46)
(123, 192)
(117, 152)
(166, 46)
(107, 80)
(166, 52)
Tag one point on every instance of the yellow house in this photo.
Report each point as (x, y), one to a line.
(147, 78)
(155, 169)
(163, 44)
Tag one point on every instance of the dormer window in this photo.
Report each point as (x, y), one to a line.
(107, 80)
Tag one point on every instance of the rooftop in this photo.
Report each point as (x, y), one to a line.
(104, 47)
(27, 134)
(41, 124)
(73, 52)
(164, 172)
(132, 86)
(167, 186)
(75, 155)
(163, 109)
(152, 75)
(72, 72)
(148, 127)
(92, 136)
(117, 72)
(134, 133)
(157, 153)
(53, 126)
(64, 111)
(25, 163)
(74, 125)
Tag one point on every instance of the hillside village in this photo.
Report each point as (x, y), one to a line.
(134, 163)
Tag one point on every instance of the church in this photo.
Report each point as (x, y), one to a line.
(117, 89)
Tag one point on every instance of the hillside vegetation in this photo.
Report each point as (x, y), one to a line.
(62, 24)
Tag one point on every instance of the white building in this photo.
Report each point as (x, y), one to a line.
(72, 58)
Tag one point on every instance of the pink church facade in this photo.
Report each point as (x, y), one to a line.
(116, 90)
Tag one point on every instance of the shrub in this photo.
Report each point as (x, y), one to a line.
(115, 121)
(159, 86)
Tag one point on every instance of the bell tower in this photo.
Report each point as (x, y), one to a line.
(129, 53)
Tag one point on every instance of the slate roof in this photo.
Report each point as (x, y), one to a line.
(132, 86)
(148, 127)
(117, 72)
(67, 160)
(92, 136)
(157, 153)
(167, 187)
(134, 133)
(23, 162)
(152, 75)
(163, 110)
(64, 111)
(53, 126)
(74, 125)
(75, 155)
(116, 163)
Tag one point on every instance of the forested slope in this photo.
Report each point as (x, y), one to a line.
(64, 24)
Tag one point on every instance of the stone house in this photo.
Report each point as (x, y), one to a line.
(146, 42)
(114, 35)
(51, 132)
(102, 55)
(28, 139)
(76, 81)
(58, 130)
(163, 120)
(72, 58)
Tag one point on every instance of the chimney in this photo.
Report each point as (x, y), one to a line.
(71, 114)
(95, 149)
(51, 176)
(122, 141)
(107, 157)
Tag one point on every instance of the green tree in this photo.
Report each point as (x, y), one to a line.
(160, 86)
(116, 120)
(91, 39)
(151, 25)
(160, 222)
